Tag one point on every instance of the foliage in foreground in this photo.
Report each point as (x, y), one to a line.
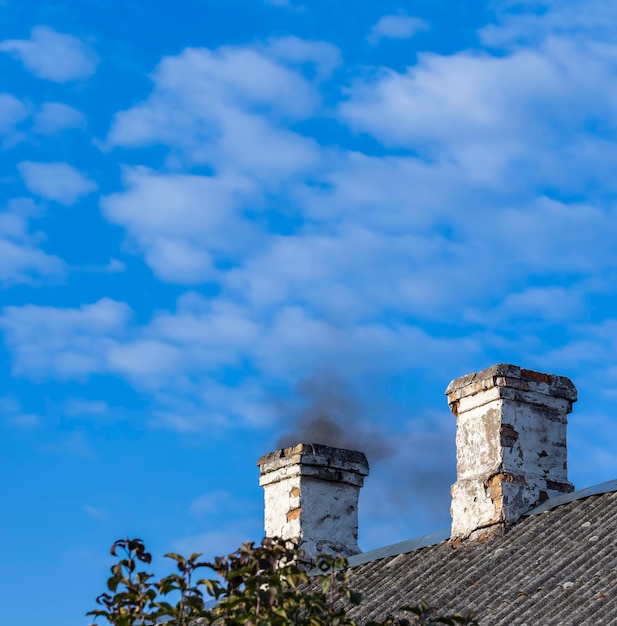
(256, 586)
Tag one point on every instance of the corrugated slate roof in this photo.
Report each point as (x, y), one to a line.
(555, 566)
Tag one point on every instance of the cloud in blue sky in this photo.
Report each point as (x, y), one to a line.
(53, 56)
(54, 117)
(494, 115)
(196, 226)
(12, 112)
(23, 260)
(63, 342)
(396, 27)
(170, 216)
(60, 182)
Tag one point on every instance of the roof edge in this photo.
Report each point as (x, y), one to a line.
(411, 545)
(594, 490)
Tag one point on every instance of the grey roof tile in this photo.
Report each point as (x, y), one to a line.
(557, 567)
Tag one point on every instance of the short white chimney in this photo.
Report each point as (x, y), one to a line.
(511, 446)
(311, 497)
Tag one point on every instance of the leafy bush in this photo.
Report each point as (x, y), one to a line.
(256, 586)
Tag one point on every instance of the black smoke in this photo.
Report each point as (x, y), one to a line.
(330, 415)
(411, 470)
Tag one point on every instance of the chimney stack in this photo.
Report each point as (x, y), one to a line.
(511, 446)
(311, 497)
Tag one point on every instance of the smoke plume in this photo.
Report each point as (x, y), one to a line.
(408, 495)
(408, 491)
(329, 414)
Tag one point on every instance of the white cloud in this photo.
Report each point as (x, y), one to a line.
(210, 107)
(517, 25)
(184, 224)
(12, 113)
(355, 352)
(442, 242)
(545, 304)
(212, 332)
(340, 275)
(68, 343)
(219, 108)
(213, 406)
(324, 56)
(177, 356)
(60, 182)
(396, 27)
(559, 237)
(145, 359)
(167, 354)
(52, 56)
(21, 259)
(173, 347)
(24, 263)
(206, 86)
(493, 116)
(54, 117)
(420, 193)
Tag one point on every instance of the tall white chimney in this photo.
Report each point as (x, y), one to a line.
(511, 446)
(311, 497)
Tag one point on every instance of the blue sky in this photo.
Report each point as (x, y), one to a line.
(218, 219)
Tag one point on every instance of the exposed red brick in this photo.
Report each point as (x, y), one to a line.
(538, 377)
(294, 514)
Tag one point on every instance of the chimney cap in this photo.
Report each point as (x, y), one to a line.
(315, 455)
(514, 377)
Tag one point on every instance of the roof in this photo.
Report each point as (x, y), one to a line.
(558, 564)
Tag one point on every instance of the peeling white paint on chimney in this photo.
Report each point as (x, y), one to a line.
(511, 446)
(311, 497)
